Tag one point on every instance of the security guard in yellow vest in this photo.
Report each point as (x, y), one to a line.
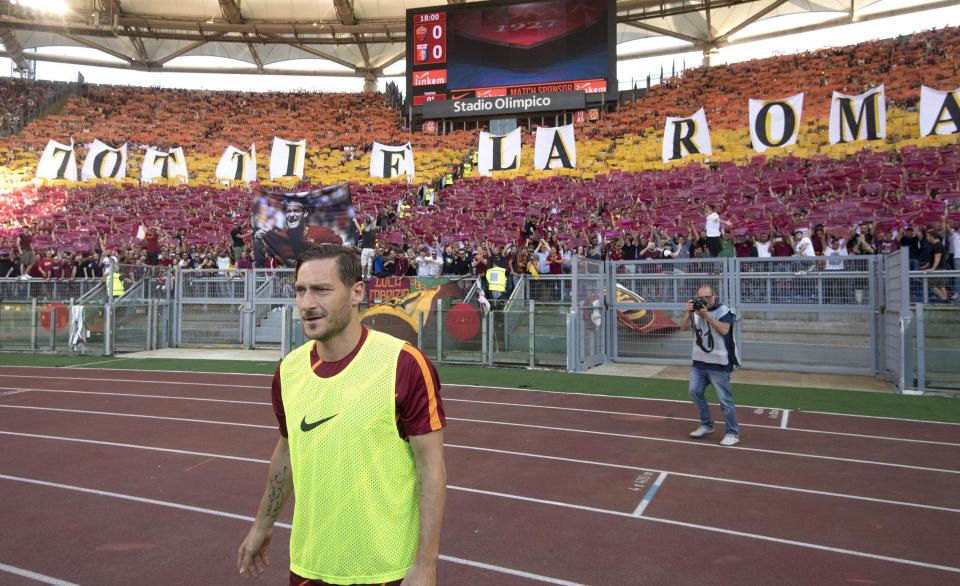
(448, 180)
(361, 443)
(496, 281)
(116, 285)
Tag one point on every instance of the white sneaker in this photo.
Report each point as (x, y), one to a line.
(701, 431)
(730, 440)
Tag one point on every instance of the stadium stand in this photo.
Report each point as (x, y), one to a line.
(623, 189)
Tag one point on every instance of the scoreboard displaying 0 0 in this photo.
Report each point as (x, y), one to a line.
(510, 48)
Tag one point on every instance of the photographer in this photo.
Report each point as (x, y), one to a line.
(714, 357)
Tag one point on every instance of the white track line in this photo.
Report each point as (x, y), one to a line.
(138, 381)
(688, 402)
(651, 492)
(782, 425)
(670, 417)
(448, 385)
(705, 445)
(182, 507)
(511, 497)
(712, 529)
(34, 576)
(518, 454)
(525, 425)
(141, 396)
(139, 416)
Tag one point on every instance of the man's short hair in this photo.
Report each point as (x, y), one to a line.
(707, 286)
(348, 261)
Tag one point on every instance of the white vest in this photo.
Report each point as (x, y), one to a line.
(708, 345)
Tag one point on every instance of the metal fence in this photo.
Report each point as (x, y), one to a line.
(801, 315)
(862, 315)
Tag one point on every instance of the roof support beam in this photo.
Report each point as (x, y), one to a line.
(13, 46)
(748, 21)
(185, 50)
(667, 33)
(133, 66)
(379, 70)
(316, 53)
(99, 47)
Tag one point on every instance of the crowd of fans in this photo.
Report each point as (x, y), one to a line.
(21, 97)
(869, 202)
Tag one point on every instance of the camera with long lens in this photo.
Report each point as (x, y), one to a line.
(699, 303)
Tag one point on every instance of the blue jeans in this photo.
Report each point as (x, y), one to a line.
(699, 379)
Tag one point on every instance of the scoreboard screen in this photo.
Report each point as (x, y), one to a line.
(510, 48)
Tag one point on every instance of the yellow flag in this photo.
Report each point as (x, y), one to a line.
(532, 269)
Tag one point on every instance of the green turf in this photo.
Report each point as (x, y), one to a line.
(931, 408)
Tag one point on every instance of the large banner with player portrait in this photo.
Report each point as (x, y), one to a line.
(286, 224)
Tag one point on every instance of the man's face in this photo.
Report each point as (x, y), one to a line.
(708, 294)
(294, 216)
(325, 303)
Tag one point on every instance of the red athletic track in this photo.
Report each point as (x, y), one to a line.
(542, 483)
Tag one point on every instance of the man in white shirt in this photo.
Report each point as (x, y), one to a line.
(835, 288)
(435, 264)
(762, 242)
(712, 230)
(803, 246)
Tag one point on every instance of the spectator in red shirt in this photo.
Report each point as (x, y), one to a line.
(151, 242)
(43, 265)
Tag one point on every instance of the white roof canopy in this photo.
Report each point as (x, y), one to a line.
(363, 38)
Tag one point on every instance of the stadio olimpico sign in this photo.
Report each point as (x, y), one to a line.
(499, 105)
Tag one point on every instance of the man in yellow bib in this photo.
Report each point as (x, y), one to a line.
(361, 445)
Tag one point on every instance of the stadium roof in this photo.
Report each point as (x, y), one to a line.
(363, 38)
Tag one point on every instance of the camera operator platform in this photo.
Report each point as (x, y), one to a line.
(714, 358)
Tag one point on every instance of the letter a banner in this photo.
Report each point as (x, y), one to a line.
(775, 123)
(104, 162)
(498, 153)
(161, 165)
(391, 161)
(555, 147)
(237, 165)
(939, 112)
(58, 161)
(286, 158)
(862, 117)
(683, 137)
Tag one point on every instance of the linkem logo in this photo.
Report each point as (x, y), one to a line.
(434, 77)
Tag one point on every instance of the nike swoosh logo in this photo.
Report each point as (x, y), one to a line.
(461, 96)
(304, 426)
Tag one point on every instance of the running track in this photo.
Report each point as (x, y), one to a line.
(143, 477)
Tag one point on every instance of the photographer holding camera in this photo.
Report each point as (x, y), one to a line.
(714, 357)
